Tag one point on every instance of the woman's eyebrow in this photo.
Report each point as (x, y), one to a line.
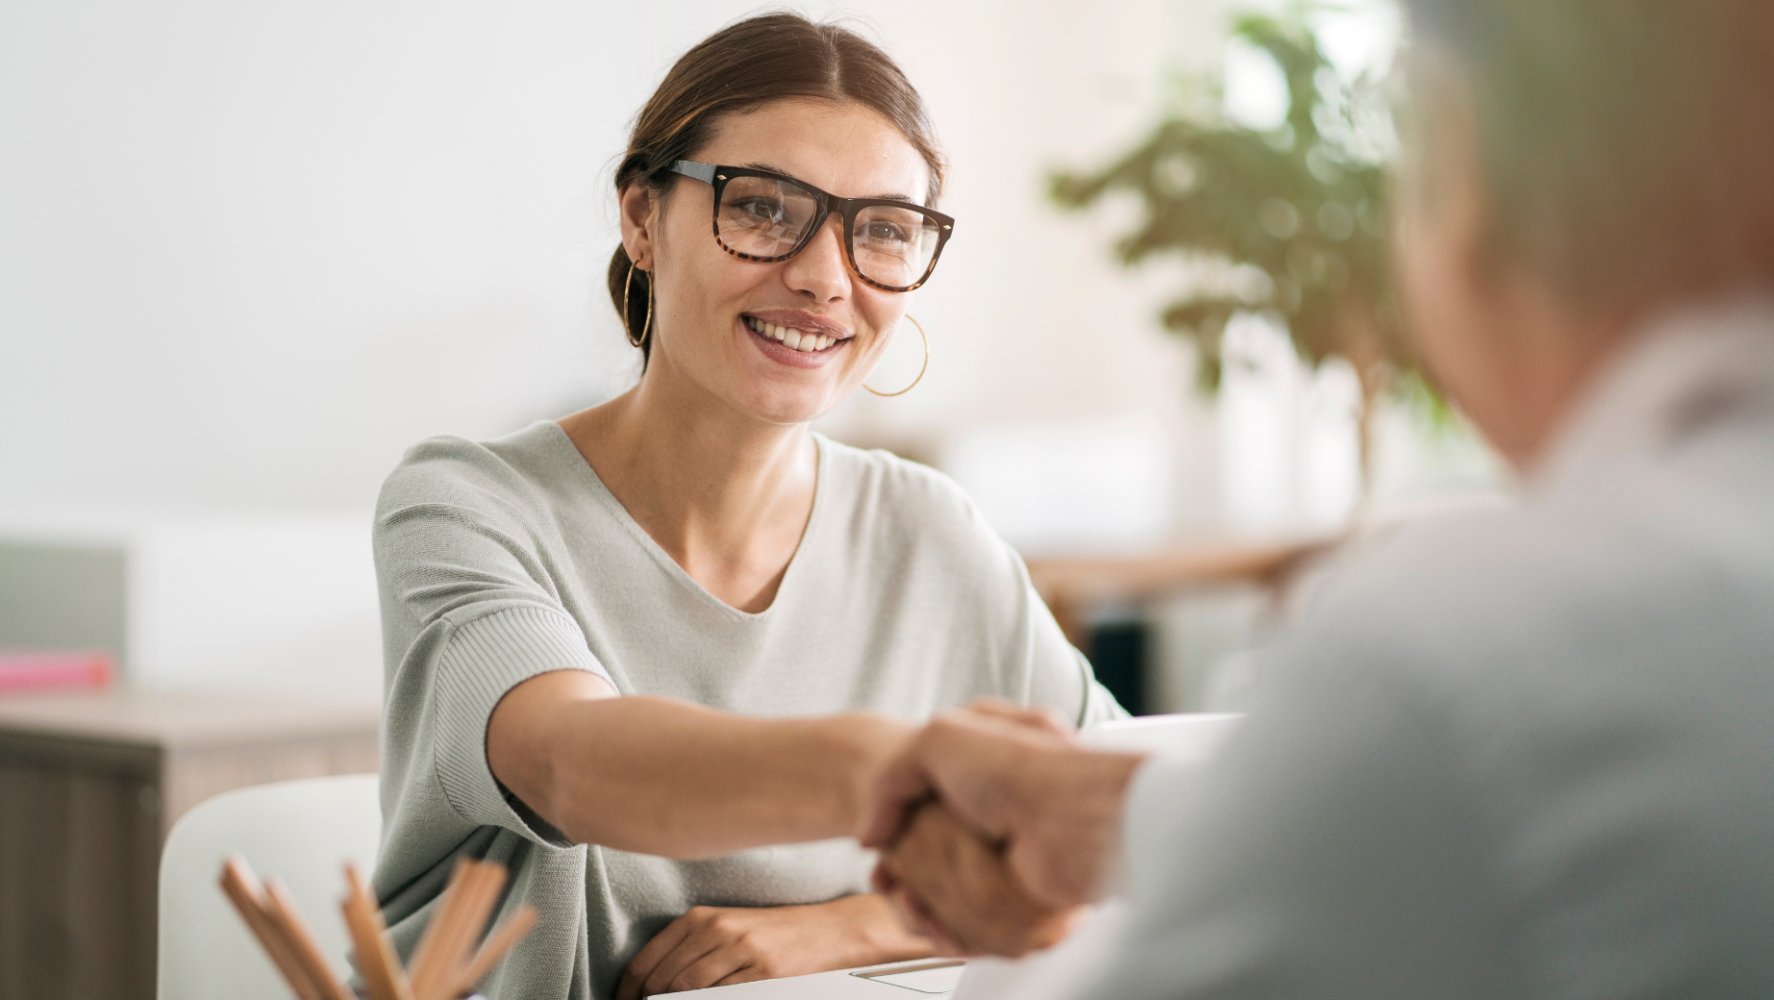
(758, 165)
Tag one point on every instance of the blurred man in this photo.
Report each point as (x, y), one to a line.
(1531, 753)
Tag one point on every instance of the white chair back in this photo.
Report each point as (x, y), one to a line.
(301, 832)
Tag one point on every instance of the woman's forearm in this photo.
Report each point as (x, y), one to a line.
(676, 779)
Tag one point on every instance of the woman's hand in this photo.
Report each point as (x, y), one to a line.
(960, 892)
(719, 946)
(1016, 781)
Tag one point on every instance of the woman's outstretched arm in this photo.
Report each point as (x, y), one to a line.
(671, 778)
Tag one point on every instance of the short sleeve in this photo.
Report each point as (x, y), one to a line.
(1061, 678)
(1053, 673)
(478, 664)
(469, 613)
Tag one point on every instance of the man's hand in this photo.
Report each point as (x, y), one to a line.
(718, 946)
(956, 890)
(1017, 780)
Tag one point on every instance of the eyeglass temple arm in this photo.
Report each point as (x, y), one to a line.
(704, 172)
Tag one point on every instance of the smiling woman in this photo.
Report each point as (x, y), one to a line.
(838, 266)
(629, 649)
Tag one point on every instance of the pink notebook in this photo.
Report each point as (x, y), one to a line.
(40, 671)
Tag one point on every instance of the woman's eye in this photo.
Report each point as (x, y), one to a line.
(762, 209)
(884, 232)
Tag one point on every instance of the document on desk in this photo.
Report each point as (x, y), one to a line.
(925, 979)
(937, 978)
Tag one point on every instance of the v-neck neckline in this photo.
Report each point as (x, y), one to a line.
(671, 566)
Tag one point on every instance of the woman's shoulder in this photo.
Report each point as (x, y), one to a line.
(878, 482)
(507, 474)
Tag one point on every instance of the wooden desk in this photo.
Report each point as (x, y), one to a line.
(1071, 584)
(91, 782)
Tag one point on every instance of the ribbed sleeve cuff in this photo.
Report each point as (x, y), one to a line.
(481, 661)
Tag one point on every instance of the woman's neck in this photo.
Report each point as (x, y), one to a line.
(715, 490)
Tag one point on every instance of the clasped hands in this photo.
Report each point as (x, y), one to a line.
(995, 829)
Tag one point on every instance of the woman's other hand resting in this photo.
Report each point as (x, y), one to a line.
(719, 946)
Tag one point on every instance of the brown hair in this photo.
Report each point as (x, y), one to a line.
(744, 65)
(1626, 144)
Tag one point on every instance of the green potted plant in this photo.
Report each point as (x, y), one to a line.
(1290, 220)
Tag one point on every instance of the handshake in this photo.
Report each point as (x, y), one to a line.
(995, 829)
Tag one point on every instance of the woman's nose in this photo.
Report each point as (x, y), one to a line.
(819, 270)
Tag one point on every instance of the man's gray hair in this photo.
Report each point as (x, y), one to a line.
(1628, 145)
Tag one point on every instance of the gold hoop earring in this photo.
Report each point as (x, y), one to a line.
(925, 337)
(647, 324)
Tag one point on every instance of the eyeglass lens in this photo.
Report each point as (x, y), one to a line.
(768, 217)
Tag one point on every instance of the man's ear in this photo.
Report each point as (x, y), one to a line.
(1451, 169)
(639, 209)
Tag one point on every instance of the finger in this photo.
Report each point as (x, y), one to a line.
(1053, 880)
(913, 916)
(707, 970)
(1039, 719)
(890, 887)
(1011, 922)
(936, 880)
(925, 925)
(695, 947)
(899, 787)
(882, 880)
(628, 987)
(966, 892)
(749, 974)
(965, 748)
(900, 902)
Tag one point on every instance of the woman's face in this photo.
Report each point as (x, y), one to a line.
(708, 304)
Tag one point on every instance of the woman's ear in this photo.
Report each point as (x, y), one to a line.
(639, 208)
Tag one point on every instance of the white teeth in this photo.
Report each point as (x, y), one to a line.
(790, 337)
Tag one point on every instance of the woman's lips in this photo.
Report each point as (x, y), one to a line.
(802, 321)
(783, 354)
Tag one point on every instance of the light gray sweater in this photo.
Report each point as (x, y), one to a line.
(501, 560)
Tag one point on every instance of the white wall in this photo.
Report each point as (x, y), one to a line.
(250, 251)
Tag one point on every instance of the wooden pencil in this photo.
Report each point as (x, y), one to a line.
(308, 953)
(477, 914)
(368, 945)
(242, 889)
(501, 941)
(375, 952)
(461, 927)
(432, 959)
